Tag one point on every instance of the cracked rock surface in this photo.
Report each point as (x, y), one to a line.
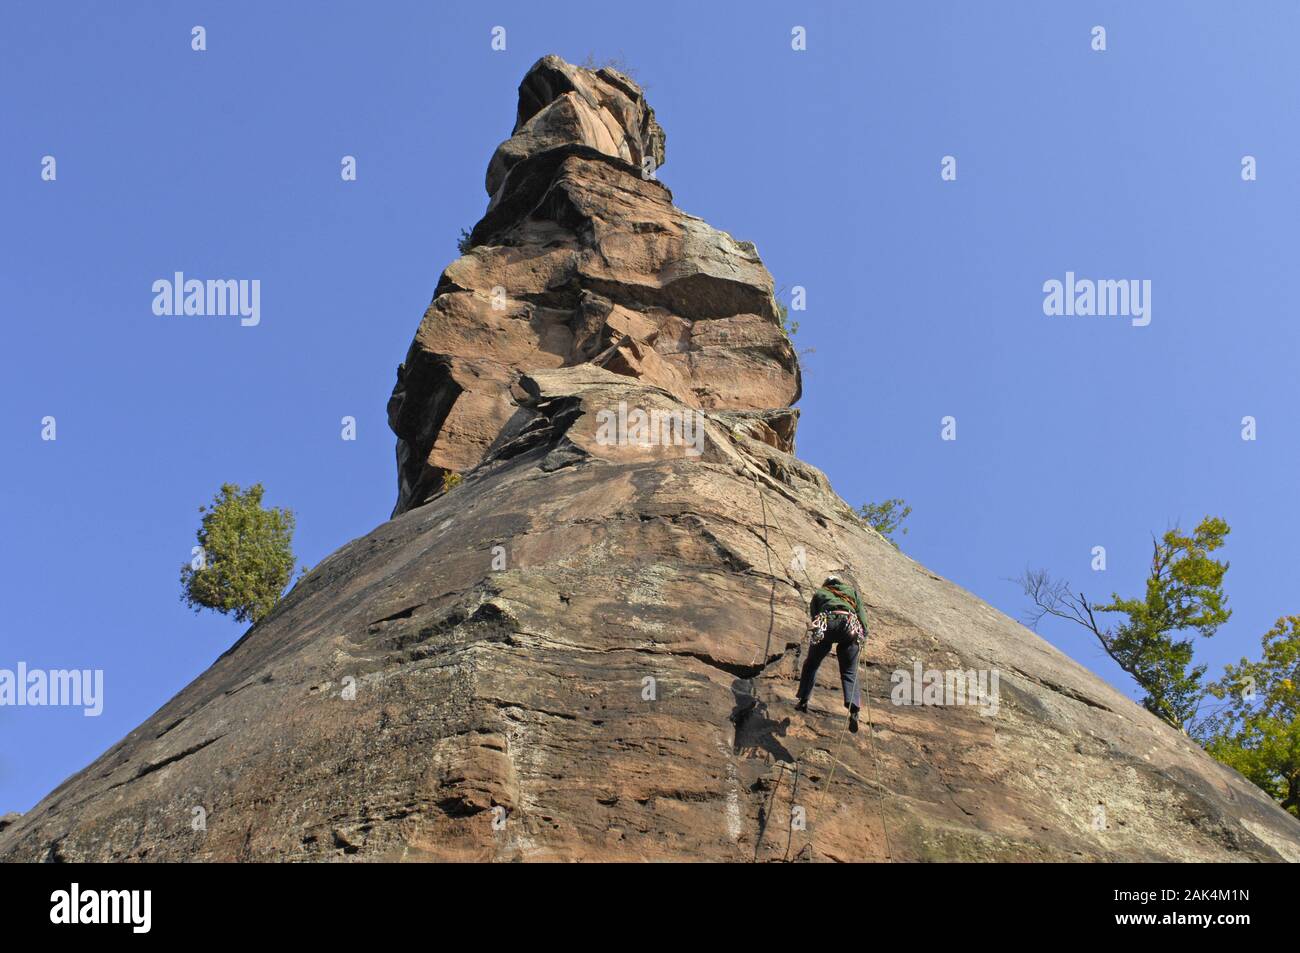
(587, 650)
(582, 258)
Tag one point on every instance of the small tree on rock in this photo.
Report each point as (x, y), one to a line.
(886, 518)
(244, 558)
(1184, 597)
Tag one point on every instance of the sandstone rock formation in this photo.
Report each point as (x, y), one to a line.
(582, 258)
(586, 650)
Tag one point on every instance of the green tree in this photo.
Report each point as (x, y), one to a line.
(244, 558)
(1257, 731)
(788, 328)
(886, 518)
(1154, 644)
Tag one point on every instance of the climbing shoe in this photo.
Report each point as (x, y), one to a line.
(802, 706)
(853, 720)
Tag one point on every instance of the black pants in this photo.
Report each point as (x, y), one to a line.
(837, 633)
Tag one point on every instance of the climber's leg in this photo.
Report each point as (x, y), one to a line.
(808, 677)
(846, 653)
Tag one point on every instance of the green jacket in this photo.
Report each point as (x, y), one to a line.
(839, 596)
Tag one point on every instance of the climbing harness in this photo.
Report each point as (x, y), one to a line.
(817, 629)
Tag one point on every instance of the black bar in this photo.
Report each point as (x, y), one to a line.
(209, 902)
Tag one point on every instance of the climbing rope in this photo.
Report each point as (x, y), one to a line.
(864, 694)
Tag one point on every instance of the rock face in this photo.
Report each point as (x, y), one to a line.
(587, 649)
(582, 258)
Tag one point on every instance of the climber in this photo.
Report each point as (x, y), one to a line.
(838, 618)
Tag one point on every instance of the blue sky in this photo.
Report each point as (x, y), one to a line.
(924, 296)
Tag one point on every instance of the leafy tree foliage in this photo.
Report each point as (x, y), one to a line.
(245, 556)
(886, 518)
(1257, 731)
(1154, 643)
